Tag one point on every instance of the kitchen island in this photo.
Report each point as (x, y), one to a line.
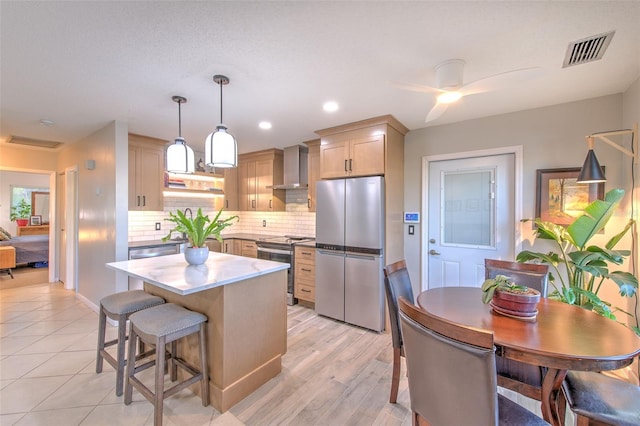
(245, 302)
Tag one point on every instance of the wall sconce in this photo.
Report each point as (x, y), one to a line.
(591, 172)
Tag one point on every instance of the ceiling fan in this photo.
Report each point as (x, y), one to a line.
(450, 87)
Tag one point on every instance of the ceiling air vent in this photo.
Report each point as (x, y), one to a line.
(587, 50)
(20, 140)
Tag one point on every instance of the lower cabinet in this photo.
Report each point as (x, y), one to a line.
(232, 246)
(249, 249)
(305, 274)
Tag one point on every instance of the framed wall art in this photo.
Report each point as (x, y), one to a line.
(560, 199)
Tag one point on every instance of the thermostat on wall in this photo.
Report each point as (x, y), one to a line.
(411, 217)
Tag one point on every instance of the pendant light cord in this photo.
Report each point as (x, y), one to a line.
(179, 120)
(221, 102)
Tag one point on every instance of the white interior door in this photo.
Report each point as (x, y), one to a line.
(471, 216)
(71, 229)
(60, 212)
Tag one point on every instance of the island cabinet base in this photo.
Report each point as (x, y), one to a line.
(246, 334)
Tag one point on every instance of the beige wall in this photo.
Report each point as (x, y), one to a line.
(27, 158)
(551, 137)
(102, 208)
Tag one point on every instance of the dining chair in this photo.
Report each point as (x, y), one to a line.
(526, 379)
(396, 284)
(452, 373)
(597, 399)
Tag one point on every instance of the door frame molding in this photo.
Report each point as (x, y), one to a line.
(516, 150)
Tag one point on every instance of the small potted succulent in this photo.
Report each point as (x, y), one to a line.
(509, 298)
(20, 213)
(197, 229)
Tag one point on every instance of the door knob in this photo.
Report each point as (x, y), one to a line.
(434, 253)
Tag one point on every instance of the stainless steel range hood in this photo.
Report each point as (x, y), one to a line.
(295, 168)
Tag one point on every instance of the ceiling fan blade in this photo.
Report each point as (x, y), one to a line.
(500, 81)
(416, 87)
(437, 110)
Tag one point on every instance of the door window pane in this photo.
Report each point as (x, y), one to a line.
(467, 210)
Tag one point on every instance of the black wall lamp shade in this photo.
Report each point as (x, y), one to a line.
(591, 172)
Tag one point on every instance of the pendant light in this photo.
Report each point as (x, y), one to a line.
(220, 147)
(180, 158)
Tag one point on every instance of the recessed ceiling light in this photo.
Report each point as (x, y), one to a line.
(264, 125)
(47, 123)
(330, 106)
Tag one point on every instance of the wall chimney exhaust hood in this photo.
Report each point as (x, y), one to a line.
(295, 168)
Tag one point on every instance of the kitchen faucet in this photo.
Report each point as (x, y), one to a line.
(184, 234)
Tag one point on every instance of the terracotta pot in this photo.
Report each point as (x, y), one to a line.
(516, 303)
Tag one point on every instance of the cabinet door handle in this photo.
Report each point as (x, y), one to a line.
(345, 166)
(308, 253)
(144, 200)
(308, 203)
(306, 270)
(305, 290)
(270, 203)
(253, 204)
(226, 204)
(350, 160)
(138, 197)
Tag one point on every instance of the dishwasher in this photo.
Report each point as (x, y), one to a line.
(153, 251)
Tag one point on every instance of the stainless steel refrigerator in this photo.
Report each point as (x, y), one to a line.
(349, 255)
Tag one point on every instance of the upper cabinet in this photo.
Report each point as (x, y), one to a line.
(258, 172)
(146, 173)
(363, 156)
(231, 188)
(313, 165)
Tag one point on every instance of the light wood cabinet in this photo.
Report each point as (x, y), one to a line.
(232, 246)
(146, 173)
(33, 230)
(249, 249)
(231, 188)
(313, 165)
(258, 172)
(364, 156)
(305, 274)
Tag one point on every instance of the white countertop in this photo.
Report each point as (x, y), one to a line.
(173, 273)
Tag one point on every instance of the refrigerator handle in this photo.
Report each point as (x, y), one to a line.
(363, 256)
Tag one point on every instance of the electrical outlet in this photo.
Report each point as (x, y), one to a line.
(157, 226)
(264, 223)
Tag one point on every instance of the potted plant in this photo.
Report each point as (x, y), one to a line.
(581, 269)
(509, 298)
(20, 213)
(197, 229)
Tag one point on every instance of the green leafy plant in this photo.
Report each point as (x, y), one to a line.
(197, 229)
(580, 269)
(501, 282)
(20, 211)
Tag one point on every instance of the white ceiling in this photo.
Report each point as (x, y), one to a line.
(83, 64)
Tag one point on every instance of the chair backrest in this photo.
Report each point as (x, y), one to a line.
(532, 275)
(451, 369)
(396, 284)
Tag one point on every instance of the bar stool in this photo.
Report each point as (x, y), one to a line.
(119, 307)
(160, 326)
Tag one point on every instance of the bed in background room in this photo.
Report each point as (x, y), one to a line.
(29, 248)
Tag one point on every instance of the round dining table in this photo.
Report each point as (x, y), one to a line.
(562, 337)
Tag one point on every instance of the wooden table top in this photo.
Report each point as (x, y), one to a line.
(562, 337)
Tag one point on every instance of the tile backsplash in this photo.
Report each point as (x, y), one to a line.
(296, 220)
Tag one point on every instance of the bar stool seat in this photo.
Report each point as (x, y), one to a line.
(159, 326)
(119, 307)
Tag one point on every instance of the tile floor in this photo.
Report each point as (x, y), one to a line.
(47, 368)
